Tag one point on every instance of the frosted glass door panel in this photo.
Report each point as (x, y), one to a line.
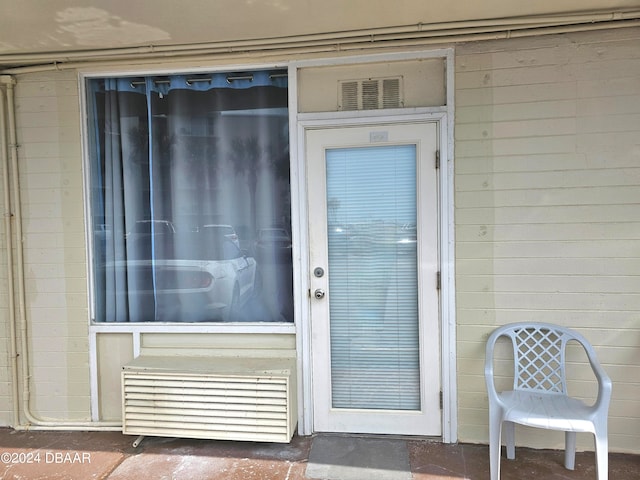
(373, 262)
(373, 281)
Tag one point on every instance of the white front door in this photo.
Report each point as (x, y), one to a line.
(373, 255)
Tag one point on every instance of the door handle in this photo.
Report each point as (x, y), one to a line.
(319, 293)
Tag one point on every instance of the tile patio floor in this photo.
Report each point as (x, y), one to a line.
(36, 455)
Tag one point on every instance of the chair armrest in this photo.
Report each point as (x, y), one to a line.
(488, 368)
(604, 381)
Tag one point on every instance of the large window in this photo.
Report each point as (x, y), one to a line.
(190, 198)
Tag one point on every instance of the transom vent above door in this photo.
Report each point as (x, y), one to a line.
(370, 93)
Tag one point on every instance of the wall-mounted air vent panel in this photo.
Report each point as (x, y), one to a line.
(199, 397)
(370, 93)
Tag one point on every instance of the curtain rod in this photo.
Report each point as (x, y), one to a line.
(230, 79)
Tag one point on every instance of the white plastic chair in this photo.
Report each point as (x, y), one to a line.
(539, 397)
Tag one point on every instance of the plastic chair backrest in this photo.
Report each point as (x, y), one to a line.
(539, 356)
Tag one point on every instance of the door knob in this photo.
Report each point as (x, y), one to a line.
(319, 293)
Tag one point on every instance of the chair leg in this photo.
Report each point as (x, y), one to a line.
(495, 444)
(510, 439)
(602, 454)
(570, 450)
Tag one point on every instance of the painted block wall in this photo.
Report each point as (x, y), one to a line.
(547, 210)
(50, 174)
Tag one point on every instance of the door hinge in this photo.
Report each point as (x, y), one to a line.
(437, 159)
(441, 400)
(438, 281)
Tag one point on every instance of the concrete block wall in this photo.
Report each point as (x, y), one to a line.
(51, 189)
(547, 209)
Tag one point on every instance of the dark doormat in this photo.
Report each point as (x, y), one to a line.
(357, 458)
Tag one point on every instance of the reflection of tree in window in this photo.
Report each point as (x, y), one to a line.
(246, 158)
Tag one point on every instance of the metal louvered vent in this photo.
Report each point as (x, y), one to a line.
(370, 94)
(391, 93)
(162, 401)
(349, 96)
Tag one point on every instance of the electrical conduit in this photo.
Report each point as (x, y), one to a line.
(11, 182)
(421, 34)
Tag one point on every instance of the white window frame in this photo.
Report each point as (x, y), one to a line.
(153, 327)
(138, 329)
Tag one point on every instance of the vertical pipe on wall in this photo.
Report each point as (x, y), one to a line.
(12, 184)
(19, 277)
(13, 342)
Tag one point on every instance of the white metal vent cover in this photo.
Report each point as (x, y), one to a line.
(370, 93)
(197, 399)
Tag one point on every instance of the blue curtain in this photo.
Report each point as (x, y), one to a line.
(186, 172)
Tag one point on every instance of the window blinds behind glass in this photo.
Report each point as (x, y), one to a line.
(371, 210)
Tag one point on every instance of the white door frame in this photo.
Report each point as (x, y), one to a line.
(298, 122)
(446, 259)
(425, 420)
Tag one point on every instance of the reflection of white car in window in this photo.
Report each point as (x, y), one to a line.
(224, 230)
(273, 245)
(156, 227)
(194, 277)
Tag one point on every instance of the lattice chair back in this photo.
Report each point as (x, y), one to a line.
(539, 357)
